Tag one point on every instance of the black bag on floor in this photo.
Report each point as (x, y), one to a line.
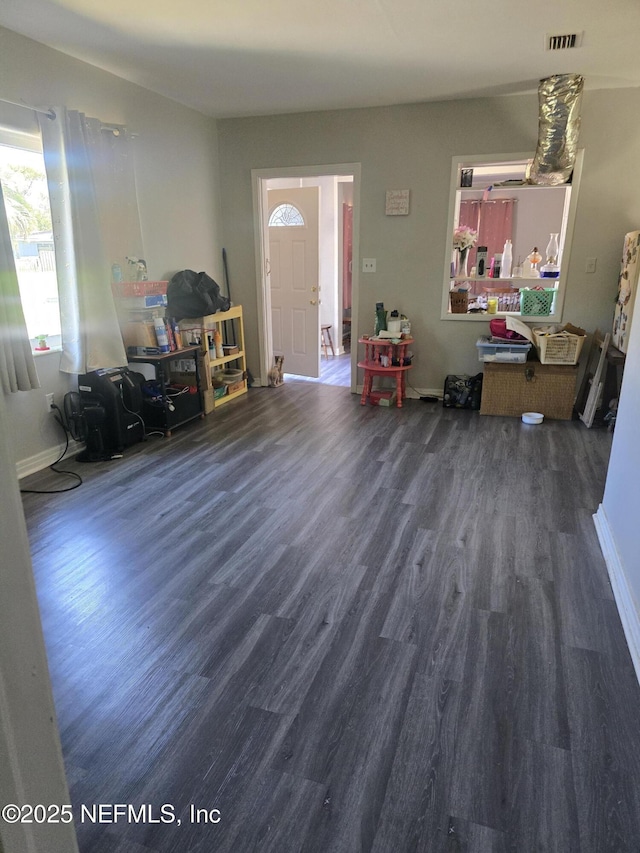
(194, 294)
(462, 392)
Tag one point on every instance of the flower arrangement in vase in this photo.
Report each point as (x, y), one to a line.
(463, 239)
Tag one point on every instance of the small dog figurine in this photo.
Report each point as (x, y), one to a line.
(276, 376)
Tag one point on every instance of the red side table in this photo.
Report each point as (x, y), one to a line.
(383, 357)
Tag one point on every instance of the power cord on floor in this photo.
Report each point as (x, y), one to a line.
(425, 398)
(59, 418)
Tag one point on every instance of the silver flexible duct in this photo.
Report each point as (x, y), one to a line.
(559, 99)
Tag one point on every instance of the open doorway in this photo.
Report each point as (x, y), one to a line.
(307, 283)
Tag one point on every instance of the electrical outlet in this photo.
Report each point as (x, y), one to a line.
(50, 402)
(368, 265)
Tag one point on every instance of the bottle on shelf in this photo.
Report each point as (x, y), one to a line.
(496, 265)
(161, 334)
(507, 260)
(217, 343)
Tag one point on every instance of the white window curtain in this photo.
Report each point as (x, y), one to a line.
(17, 367)
(95, 223)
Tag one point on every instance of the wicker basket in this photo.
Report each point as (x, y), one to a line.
(537, 302)
(459, 301)
(561, 348)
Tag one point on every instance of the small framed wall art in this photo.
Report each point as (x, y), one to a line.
(397, 203)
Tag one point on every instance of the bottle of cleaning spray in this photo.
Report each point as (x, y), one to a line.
(380, 324)
(507, 260)
(217, 343)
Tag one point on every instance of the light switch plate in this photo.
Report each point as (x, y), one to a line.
(590, 265)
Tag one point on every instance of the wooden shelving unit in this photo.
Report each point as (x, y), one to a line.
(231, 327)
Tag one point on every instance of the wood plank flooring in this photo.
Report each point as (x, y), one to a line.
(347, 628)
(334, 370)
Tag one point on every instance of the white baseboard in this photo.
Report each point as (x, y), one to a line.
(42, 460)
(629, 615)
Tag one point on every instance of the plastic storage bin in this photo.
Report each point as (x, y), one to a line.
(509, 353)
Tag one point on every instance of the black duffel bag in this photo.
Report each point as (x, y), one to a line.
(194, 294)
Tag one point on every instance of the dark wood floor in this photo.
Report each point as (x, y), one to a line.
(334, 370)
(348, 629)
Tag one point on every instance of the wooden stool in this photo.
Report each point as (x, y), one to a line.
(326, 327)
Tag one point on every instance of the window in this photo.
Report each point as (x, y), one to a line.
(26, 196)
(286, 214)
(489, 197)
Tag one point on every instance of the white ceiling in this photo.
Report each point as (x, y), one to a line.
(255, 57)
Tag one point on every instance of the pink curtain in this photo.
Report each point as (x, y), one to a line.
(493, 220)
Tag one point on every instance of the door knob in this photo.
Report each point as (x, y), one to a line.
(313, 302)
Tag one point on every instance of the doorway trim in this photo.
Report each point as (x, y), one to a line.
(259, 178)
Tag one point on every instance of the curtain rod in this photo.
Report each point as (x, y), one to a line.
(48, 112)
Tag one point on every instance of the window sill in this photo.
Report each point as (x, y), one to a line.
(484, 316)
(40, 353)
(539, 319)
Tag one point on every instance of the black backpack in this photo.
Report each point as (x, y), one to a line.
(194, 294)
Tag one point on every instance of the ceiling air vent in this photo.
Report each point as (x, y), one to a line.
(564, 42)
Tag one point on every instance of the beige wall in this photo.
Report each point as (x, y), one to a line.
(412, 147)
(184, 198)
(177, 183)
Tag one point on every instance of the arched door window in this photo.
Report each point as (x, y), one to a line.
(286, 214)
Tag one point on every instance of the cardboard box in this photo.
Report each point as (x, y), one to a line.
(512, 389)
(179, 377)
(183, 370)
(204, 366)
(231, 389)
(139, 288)
(382, 398)
(207, 401)
(139, 334)
(211, 396)
(136, 303)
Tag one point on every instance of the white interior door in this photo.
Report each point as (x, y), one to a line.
(293, 267)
